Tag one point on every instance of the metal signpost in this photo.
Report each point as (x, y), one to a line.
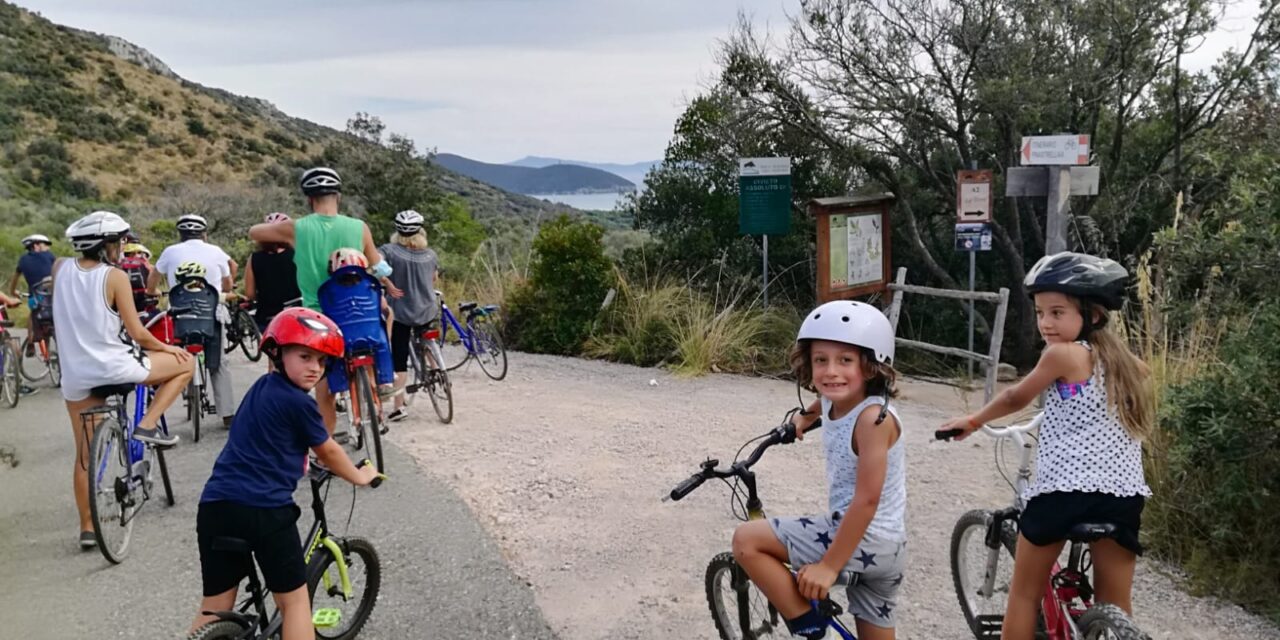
(974, 200)
(764, 204)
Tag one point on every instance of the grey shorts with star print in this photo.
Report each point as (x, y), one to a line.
(879, 565)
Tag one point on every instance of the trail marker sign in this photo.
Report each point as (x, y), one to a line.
(1055, 150)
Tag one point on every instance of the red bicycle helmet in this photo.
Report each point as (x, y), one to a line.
(305, 327)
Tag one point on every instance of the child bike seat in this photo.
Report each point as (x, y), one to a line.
(1089, 532)
(111, 390)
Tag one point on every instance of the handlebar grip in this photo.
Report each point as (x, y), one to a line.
(687, 487)
(947, 434)
(377, 481)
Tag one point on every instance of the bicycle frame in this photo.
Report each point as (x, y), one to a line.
(447, 319)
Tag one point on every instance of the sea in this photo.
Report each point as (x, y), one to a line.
(584, 201)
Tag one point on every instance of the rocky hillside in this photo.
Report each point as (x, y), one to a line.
(92, 116)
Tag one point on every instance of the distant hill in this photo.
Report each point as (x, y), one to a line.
(634, 172)
(94, 116)
(558, 178)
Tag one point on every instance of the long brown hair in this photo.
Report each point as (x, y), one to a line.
(1129, 386)
(882, 379)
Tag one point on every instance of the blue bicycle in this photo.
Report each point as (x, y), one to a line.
(121, 469)
(480, 338)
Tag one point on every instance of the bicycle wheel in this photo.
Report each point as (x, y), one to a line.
(440, 389)
(111, 500)
(220, 630)
(250, 337)
(416, 378)
(164, 477)
(369, 417)
(1108, 622)
(328, 602)
(740, 610)
(54, 365)
(488, 349)
(9, 366)
(969, 556)
(195, 405)
(32, 368)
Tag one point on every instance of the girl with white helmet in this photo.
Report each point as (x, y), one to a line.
(1098, 409)
(94, 317)
(844, 352)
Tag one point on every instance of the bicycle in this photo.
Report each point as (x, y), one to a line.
(426, 365)
(739, 609)
(365, 412)
(197, 396)
(1067, 610)
(243, 331)
(116, 496)
(329, 575)
(480, 338)
(10, 389)
(44, 351)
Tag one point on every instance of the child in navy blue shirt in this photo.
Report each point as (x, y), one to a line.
(250, 493)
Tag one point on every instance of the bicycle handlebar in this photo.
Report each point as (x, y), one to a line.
(782, 434)
(321, 474)
(1010, 431)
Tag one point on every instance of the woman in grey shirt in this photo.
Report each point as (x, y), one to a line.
(413, 270)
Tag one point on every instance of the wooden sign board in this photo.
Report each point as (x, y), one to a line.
(974, 196)
(853, 245)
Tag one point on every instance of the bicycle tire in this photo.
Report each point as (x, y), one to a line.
(109, 443)
(195, 406)
(369, 416)
(24, 367)
(726, 602)
(164, 477)
(220, 630)
(364, 599)
(440, 389)
(250, 336)
(1107, 621)
(487, 342)
(54, 364)
(9, 366)
(414, 374)
(971, 528)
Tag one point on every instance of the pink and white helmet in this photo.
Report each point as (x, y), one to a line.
(275, 217)
(346, 257)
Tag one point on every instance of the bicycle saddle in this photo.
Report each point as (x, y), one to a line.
(1088, 532)
(234, 545)
(6, 323)
(109, 390)
(467, 306)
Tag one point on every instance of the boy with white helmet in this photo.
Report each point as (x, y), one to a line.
(844, 352)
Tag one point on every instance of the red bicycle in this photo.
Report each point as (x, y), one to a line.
(982, 575)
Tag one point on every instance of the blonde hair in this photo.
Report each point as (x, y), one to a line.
(881, 379)
(1129, 386)
(416, 241)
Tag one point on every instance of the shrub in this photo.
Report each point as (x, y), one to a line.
(554, 310)
(1216, 507)
(196, 127)
(640, 326)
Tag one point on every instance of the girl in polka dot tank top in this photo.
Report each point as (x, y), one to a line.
(1099, 408)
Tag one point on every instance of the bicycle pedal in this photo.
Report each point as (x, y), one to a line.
(326, 618)
(989, 626)
(411, 388)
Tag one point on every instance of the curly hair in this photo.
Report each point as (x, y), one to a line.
(882, 379)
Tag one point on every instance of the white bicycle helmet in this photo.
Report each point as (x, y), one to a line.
(856, 323)
(96, 229)
(408, 222)
(319, 181)
(192, 223)
(276, 217)
(32, 239)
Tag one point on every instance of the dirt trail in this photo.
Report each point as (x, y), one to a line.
(566, 460)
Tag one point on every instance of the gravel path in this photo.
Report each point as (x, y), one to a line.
(565, 462)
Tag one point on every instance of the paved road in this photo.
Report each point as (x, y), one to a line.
(443, 577)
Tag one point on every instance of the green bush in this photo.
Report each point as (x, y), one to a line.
(196, 127)
(554, 310)
(1216, 507)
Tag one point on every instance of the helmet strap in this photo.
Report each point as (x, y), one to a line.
(884, 409)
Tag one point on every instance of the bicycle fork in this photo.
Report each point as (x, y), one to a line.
(993, 540)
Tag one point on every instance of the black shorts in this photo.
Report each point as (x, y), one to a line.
(272, 534)
(400, 334)
(1049, 517)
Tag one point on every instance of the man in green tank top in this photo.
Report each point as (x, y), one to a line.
(314, 238)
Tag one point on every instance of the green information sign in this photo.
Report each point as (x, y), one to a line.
(764, 196)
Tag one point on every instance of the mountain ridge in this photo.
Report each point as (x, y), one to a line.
(635, 171)
(556, 178)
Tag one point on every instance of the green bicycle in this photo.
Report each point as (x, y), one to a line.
(343, 578)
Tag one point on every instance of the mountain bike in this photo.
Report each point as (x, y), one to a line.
(739, 609)
(43, 361)
(426, 367)
(243, 331)
(982, 579)
(480, 338)
(9, 364)
(365, 413)
(121, 469)
(343, 574)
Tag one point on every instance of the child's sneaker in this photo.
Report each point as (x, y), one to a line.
(398, 415)
(154, 436)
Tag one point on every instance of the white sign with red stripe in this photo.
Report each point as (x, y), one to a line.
(1057, 150)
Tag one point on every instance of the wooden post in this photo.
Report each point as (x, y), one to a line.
(1059, 211)
(997, 340)
(895, 308)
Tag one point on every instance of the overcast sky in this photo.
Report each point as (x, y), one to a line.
(494, 80)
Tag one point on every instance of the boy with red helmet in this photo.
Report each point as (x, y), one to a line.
(250, 492)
